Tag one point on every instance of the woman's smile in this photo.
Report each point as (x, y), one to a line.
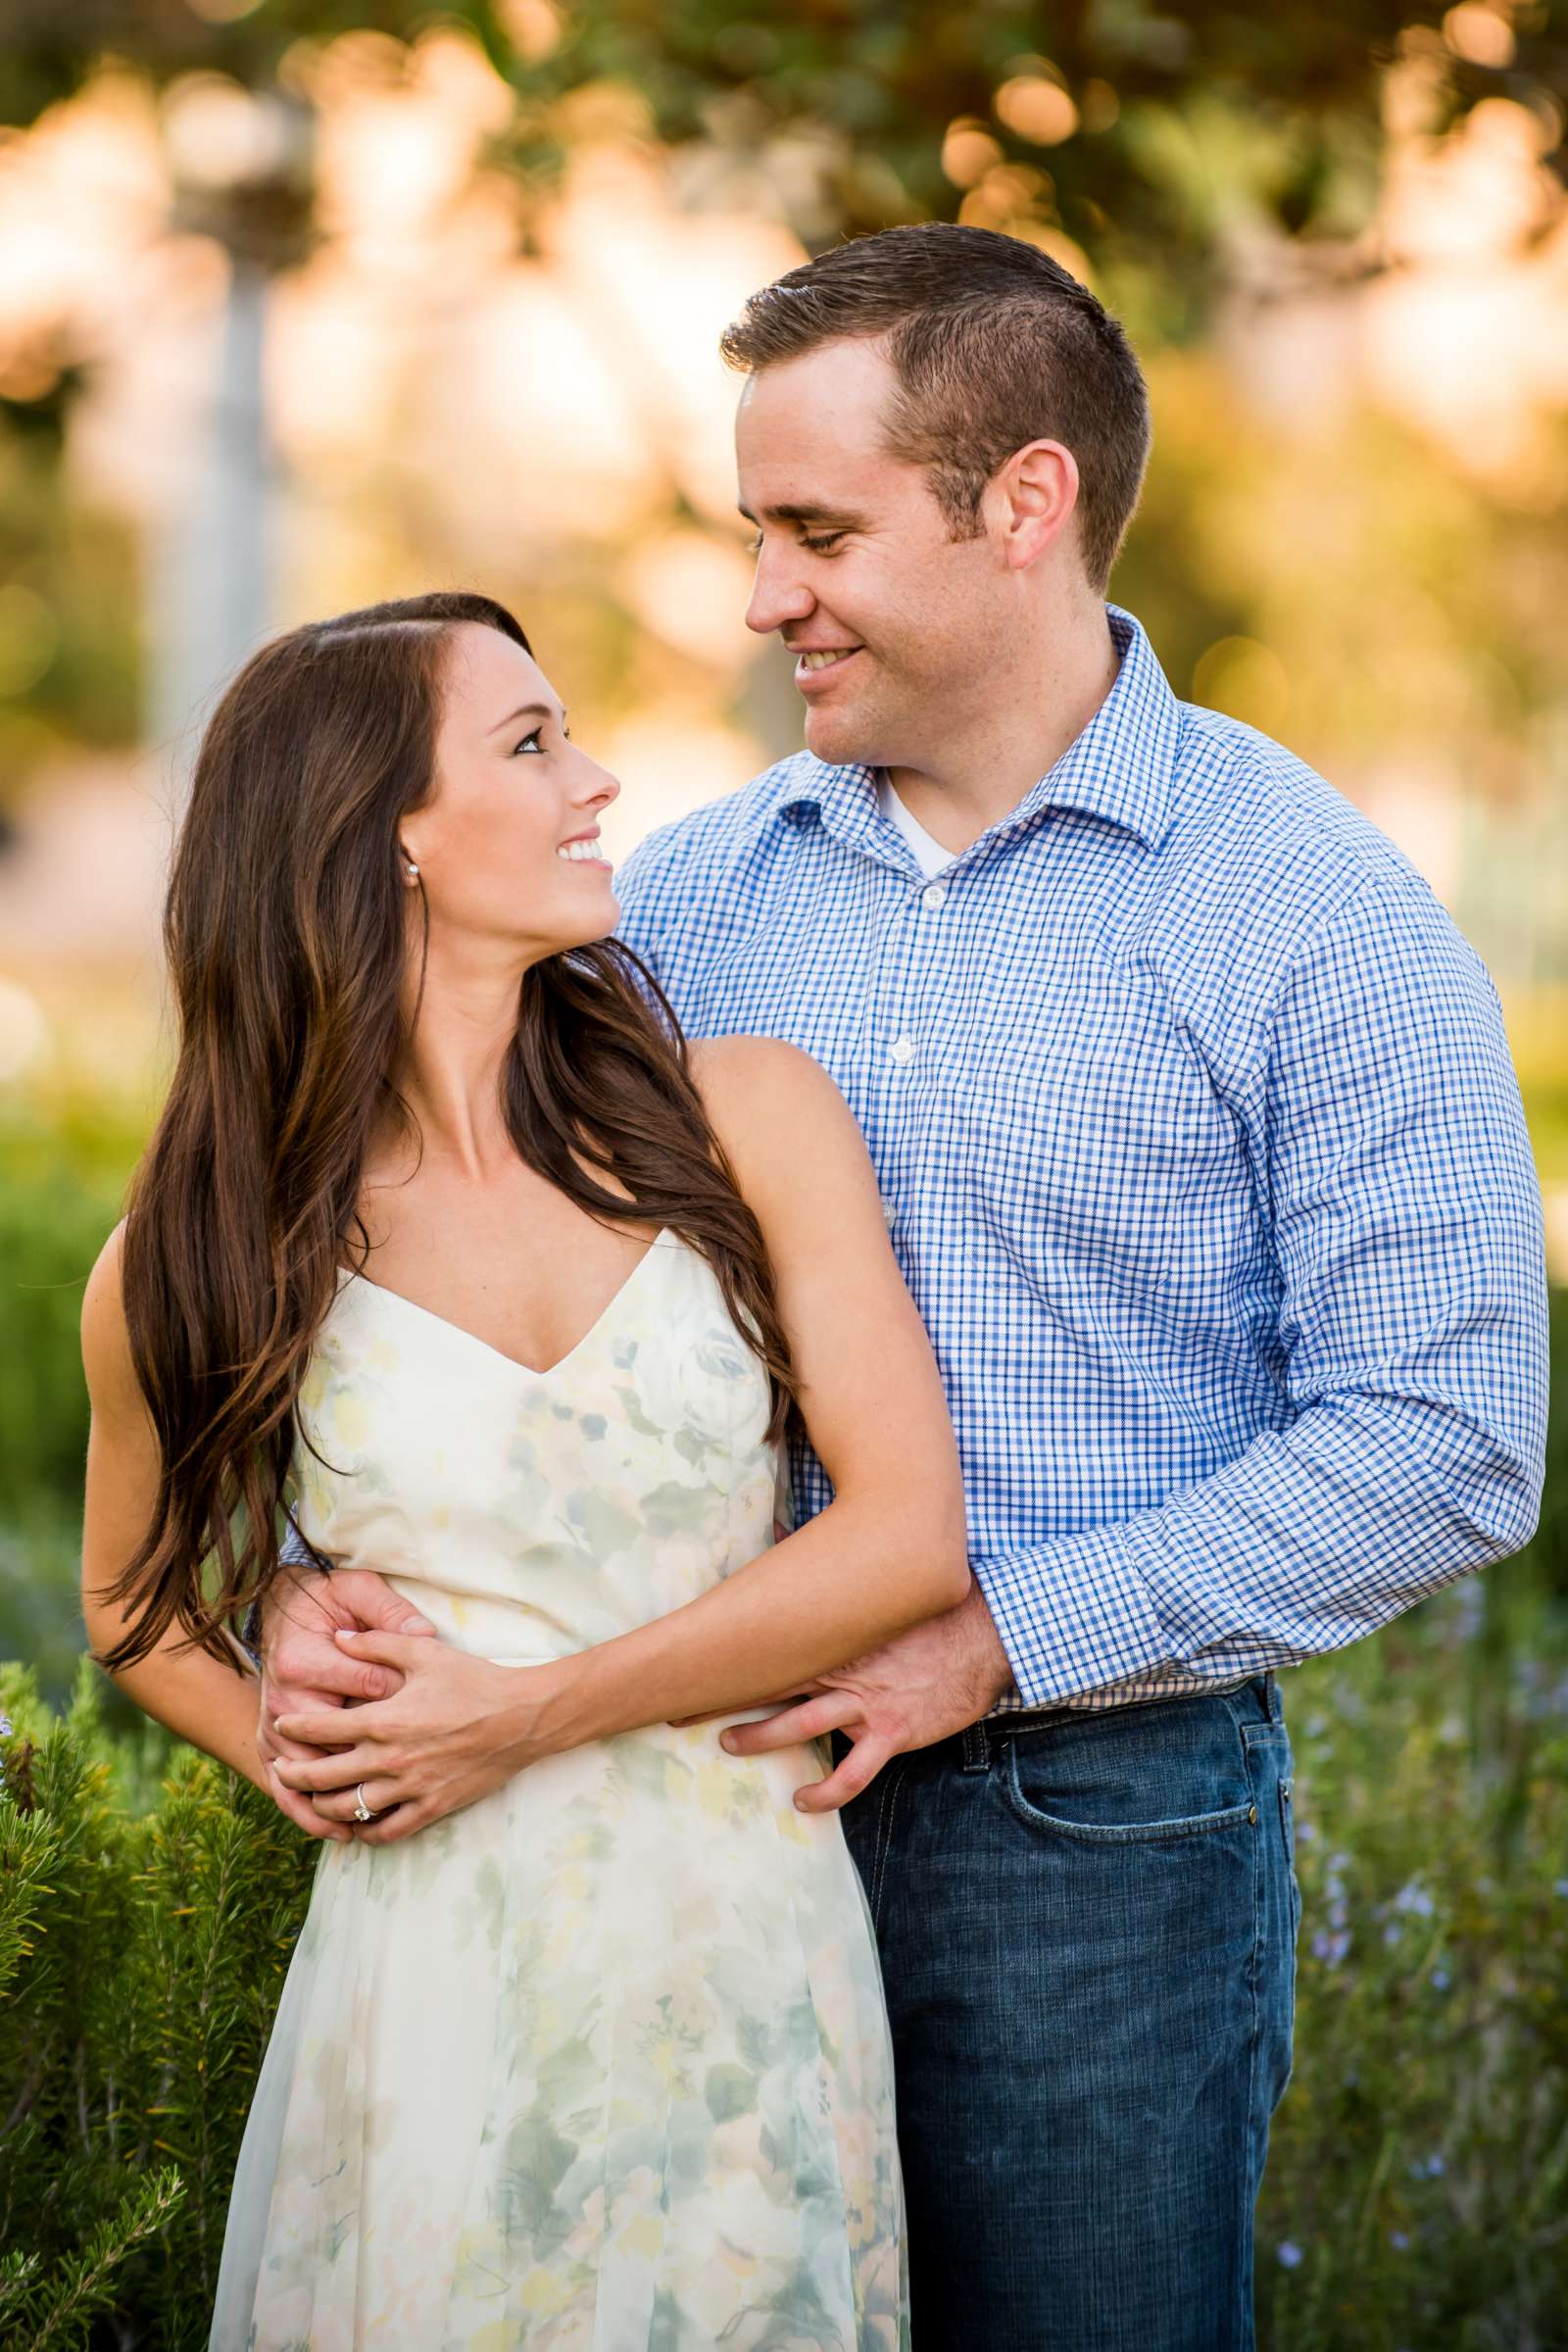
(583, 848)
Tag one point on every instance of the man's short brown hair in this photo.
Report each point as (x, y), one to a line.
(993, 344)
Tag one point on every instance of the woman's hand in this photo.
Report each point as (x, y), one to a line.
(304, 1670)
(456, 1729)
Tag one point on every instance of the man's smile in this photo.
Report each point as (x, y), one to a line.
(815, 664)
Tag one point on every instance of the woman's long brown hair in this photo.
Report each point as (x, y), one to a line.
(286, 938)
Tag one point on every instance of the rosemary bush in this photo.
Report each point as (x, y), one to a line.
(148, 1904)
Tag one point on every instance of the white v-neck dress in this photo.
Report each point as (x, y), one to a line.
(600, 2063)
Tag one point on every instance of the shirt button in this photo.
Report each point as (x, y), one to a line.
(889, 1214)
(932, 895)
(903, 1050)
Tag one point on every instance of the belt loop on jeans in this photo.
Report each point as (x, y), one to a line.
(1271, 1697)
(976, 1748)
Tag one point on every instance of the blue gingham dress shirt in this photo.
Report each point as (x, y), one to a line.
(1202, 1157)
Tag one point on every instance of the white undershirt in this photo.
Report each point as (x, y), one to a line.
(929, 853)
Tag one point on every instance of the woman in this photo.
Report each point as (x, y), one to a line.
(445, 1246)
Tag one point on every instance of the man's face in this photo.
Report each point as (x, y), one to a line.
(854, 560)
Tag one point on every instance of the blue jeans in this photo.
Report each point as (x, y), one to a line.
(1088, 1934)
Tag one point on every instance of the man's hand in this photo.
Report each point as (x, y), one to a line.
(927, 1683)
(303, 1666)
(456, 1729)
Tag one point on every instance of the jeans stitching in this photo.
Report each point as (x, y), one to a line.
(883, 1841)
(1254, 2040)
(1292, 1897)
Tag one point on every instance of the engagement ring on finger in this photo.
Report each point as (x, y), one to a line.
(361, 1811)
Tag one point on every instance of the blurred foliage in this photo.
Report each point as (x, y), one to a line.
(1144, 135)
(40, 1595)
(1148, 136)
(1416, 606)
(1159, 148)
(1538, 1039)
(53, 46)
(54, 1219)
(1418, 2172)
(69, 595)
(62, 1190)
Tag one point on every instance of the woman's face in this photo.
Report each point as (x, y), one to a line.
(508, 843)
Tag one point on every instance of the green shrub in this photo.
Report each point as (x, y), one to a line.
(148, 1904)
(1418, 2173)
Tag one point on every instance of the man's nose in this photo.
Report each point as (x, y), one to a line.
(776, 597)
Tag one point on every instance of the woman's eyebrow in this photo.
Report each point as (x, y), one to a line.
(527, 711)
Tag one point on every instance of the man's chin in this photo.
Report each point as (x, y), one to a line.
(838, 741)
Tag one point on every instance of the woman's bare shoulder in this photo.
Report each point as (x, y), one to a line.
(783, 1124)
(762, 1083)
(106, 1354)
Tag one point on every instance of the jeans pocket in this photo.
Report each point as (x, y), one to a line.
(1033, 1816)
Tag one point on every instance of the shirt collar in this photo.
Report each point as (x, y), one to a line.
(1119, 769)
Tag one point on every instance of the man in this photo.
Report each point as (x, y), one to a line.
(1203, 1160)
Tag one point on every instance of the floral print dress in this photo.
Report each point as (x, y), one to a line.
(600, 2063)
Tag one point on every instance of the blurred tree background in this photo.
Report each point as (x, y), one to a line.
(303, 304)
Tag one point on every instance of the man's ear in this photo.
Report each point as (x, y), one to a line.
(1033, 498)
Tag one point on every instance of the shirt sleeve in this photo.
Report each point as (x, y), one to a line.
(1394, 1172)
(292, 1552)
(295, 1552)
